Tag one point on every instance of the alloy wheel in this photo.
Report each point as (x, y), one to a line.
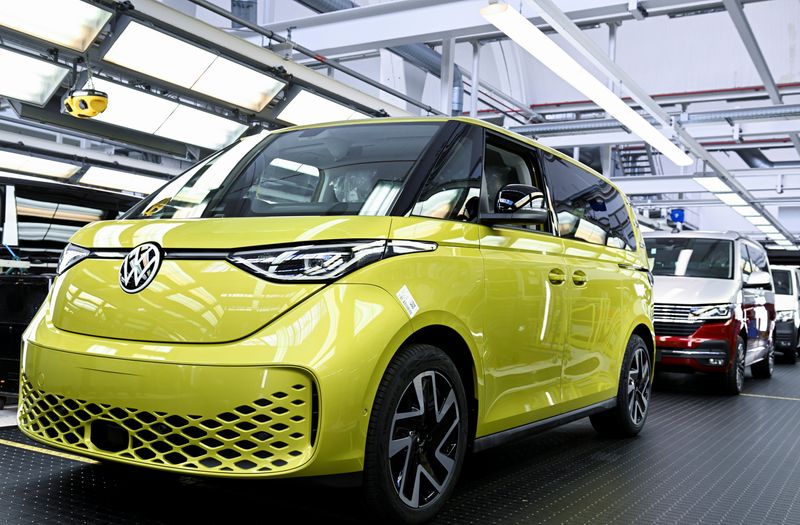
(423, 442)
(639, 386)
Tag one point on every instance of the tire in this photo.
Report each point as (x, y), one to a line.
(403, 436)
(627, 418)
(733, 382)
(764, 368)
(790, 355)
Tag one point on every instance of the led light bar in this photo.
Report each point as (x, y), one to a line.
(534, 41)
(191, 67)
(121, 180)
(768, 229)
(148, 113)
(307, 108)
(67, 23)
(27, 78)
(731, 199)
(712, 184)
(36, 165)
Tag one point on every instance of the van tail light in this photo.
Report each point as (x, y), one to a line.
(323, 262)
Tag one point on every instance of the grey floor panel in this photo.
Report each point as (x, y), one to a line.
(702, 458)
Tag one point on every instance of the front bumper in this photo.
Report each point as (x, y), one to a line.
(291, 399)
(176, 417)
(709, 349)
(785, 335)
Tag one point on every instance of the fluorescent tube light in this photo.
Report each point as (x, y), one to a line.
(535, 42)
(191, 67)
(768, 229)
(295, 166)
(731, 199)
(27, 78)
(68, 23)
(36, 165)
(198, 127)
(121, 180)
(17, 176)
(712, 184)
(784, 242)
(132, 108)
(758, 220)
(308, 108)
(745, 211)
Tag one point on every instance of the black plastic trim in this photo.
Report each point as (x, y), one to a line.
(513, 434)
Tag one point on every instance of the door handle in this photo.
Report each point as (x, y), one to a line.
(579, 278)
(556, 276)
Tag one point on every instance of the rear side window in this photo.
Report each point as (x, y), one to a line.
(588, 208)
(783, 282)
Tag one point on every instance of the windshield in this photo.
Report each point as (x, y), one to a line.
(685, 257)
(783, 282)
(340, 170)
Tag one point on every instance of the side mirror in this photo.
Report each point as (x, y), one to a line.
(515, 205)
(759, 280)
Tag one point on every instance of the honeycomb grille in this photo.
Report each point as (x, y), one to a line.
(271, 434)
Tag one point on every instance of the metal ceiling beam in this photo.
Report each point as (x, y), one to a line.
(567, 28)
(403, 22)
(754, 50)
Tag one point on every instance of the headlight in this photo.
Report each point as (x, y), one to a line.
(71, 256)
(712, 312)
(321, 262)
(785, 315)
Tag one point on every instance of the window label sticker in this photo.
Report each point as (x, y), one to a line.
(408, 302)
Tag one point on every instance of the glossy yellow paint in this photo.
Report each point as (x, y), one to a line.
(206, 337)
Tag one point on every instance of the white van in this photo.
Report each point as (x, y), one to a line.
(787, 305)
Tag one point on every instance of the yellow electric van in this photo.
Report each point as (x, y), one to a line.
(369, 296)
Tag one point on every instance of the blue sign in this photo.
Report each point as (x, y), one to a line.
(676, 215)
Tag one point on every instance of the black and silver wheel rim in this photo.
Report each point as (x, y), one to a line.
(639, 386)
(740, 366)
(424, 439)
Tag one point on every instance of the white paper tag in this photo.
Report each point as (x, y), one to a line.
(407, 300)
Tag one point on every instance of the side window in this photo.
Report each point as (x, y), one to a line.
(453, 191)
(587, 207)
(744, 261)
(508, 163)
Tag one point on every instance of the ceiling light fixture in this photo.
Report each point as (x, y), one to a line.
(67, 23)
(758, 220)
(136, 109)
(712, 184)
(731, 199)
(534, 41)
(307, 108)
(37, 166)
(121, 180)
(745, 211)
(29, 79)
(191, 67)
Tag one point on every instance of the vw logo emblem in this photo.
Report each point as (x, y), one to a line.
(139, 267)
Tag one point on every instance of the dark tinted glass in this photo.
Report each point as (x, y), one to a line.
(783, 281)
(338, 170)
(587, 207)
(453, 190)
(685, 257)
